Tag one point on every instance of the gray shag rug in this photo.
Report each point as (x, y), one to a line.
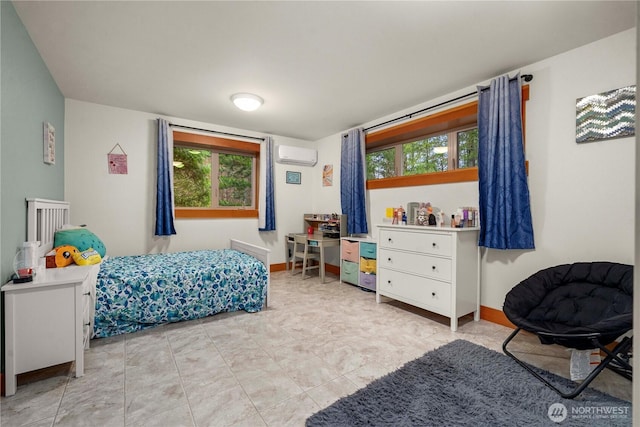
(464, 384)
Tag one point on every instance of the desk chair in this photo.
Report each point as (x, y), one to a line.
(301, 251)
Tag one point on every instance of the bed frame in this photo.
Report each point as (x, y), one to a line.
(44, 217)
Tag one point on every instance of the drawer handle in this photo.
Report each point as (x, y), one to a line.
(433, 244)
(389, 239)
(87, 293)
(389, 259)
(388, 282)
(87, 324)
(433, 267)
(433, 294)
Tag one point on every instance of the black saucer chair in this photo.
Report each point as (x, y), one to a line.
(583, 306)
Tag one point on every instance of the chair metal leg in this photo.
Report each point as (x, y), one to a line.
(304, 263)
(620, 364)
(622, 347)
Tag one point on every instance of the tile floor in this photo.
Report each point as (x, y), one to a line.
(315, 343)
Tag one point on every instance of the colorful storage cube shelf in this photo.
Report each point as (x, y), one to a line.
(358, 264)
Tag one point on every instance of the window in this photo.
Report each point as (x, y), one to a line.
(435, 149)
(214, 177)
(426, 155)
(467, 148)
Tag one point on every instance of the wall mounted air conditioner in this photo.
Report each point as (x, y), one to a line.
(296, 155)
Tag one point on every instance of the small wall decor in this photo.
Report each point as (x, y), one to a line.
(117, 162)
(294, 177)
(606, 115)
(327, 175)
(49, 144)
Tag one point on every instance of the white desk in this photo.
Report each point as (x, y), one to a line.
(316, 240)
(43, 323)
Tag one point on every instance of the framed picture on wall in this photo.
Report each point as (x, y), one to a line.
(327, 175)
(294, 177)
(49, 144)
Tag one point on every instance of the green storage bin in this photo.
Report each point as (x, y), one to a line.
(349, 272)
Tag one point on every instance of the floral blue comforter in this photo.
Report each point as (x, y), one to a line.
(138, 292)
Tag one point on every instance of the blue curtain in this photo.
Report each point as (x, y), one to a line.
(505, 209)
(353, 180)
(164, 193)
(267, 211)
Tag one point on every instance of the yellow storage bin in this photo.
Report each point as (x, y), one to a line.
(368, 265)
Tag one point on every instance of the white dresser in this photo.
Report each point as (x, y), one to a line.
(436, 269)
(48, 321)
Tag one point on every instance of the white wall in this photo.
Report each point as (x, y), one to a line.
(121, 208)
(581, 195)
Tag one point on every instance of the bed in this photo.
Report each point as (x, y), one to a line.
(132, 293)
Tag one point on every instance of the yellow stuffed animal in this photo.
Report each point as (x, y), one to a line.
(64, 255)
(88, 257)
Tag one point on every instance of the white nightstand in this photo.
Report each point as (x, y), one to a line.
(44, 322)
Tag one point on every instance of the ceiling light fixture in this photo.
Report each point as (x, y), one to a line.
(247, 101)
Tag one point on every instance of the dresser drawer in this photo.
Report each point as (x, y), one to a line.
(89, 304)
(415, 290)
(368, 250)
(430, 243)
(349, 272)
(350, 251)
(416, 263)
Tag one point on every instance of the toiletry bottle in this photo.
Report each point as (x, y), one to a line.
(453, 221)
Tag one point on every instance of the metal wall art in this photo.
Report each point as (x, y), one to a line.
(606, 115)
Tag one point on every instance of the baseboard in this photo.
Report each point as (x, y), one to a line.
(277, 267)
(328, 268)
(496, 316)
(334, 269)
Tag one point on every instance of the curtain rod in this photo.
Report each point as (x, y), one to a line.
(525, 77)
(215, 131)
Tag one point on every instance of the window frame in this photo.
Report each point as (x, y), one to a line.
(452, 119)
(228, 146)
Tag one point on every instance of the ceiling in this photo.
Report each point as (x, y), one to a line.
(321, 67)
